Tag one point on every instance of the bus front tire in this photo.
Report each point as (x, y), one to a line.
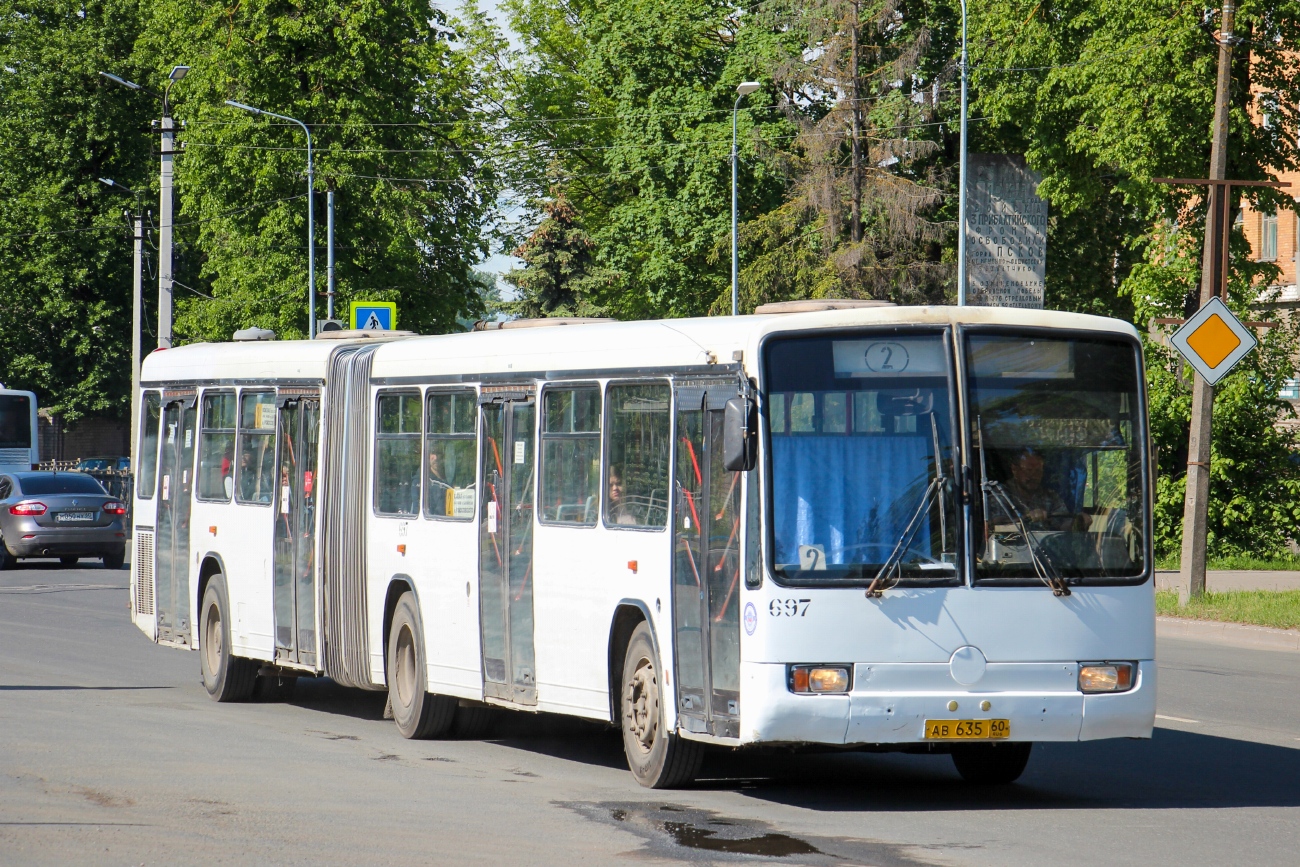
(226, 677)
(991, 764)
(418, 714)
(657, 758)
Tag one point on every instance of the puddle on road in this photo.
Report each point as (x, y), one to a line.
(691, 834)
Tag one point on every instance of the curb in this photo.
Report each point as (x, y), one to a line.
(1231, 634)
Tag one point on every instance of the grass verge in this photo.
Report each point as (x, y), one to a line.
(1278, 609)
(1240, 562)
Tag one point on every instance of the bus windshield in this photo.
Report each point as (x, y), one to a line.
(861, 455)
(15, 421)
(1058, 458)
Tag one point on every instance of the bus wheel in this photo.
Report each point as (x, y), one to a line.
(991, 764)
(657, 758)
(417, 713)
(226, 677)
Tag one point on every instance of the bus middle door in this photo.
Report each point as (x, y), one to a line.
(706, 565)
(509, 418)
(172, 547)
(295, 529)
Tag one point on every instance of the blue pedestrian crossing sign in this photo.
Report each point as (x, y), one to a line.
(374, 315)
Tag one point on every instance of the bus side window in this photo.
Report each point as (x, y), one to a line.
(570, 487)
(397, 455)
(255, 470)
(639, 429)
(150, 416)
(450, 455)
(217, 447)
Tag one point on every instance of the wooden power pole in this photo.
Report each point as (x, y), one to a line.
(1196, 506)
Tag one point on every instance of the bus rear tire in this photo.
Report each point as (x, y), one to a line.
(657, 758)
(418, 714)
(226, 677)
(991, 764)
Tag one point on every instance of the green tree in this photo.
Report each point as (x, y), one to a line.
(559, 277)
(387, 96)
(65, 249)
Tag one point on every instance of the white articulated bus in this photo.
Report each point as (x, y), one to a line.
(919, 529)
(19, 442)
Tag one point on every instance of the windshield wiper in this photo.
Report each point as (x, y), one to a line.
(1042, 562)
(936, 489)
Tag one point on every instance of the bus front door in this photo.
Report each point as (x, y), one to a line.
(506, 546)
(172, 545)
(295, 530)
(706, 566)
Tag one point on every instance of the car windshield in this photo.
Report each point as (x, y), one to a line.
(60, 483)
(15, 421)
(1058, 457)
(861, 457)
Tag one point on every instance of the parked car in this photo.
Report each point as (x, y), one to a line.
(67, 515)
(100, 465)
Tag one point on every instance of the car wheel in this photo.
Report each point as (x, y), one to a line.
(418, 713)
(991, 764)
(7, 559)
(657, 758)
(226, 677)
(68, 561)
(115, 559)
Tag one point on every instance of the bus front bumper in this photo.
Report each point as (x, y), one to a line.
(890, 703)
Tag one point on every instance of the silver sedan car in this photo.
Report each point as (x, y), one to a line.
(64, 515)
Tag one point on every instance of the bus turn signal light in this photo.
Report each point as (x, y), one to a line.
(821, 679)
(1105, 677)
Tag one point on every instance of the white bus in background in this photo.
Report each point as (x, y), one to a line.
(19, 438)
(915, 529)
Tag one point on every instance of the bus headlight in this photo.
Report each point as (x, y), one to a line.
(1105, 676)
(820, 679)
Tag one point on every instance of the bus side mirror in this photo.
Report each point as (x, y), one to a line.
(740, 435)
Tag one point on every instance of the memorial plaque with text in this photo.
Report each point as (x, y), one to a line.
(1006, 233)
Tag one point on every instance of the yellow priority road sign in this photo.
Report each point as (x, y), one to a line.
(1213, 340)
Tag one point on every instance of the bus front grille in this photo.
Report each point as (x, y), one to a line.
(143, 569)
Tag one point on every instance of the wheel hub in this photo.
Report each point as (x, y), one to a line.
(642, 705)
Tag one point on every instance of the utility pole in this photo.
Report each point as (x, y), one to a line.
(961, 174)
(165, 215)
(137, 319)
(1191, 581)
(329, 255)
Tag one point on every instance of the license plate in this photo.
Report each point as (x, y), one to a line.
(967, 729)
(75, 516)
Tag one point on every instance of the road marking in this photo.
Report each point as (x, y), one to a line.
(1181, 720)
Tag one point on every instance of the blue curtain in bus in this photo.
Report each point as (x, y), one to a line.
(853, 495)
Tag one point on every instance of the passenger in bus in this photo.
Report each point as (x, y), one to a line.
(619, 510)
(247, 478)
(438, 485)
(1042, 507)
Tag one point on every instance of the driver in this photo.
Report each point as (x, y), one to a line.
(1042, 507)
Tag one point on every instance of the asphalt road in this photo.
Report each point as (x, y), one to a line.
(111, 753)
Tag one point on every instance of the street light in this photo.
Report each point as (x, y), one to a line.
(311, 235)
(961, 179)
(744, 89)
(137, 305)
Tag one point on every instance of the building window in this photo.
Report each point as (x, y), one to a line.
(1290, 389)
(571, 456)
(1268, 237)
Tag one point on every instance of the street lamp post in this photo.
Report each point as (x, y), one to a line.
(961, 180)
(742, 90)
(137, 305)
(311, 213)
